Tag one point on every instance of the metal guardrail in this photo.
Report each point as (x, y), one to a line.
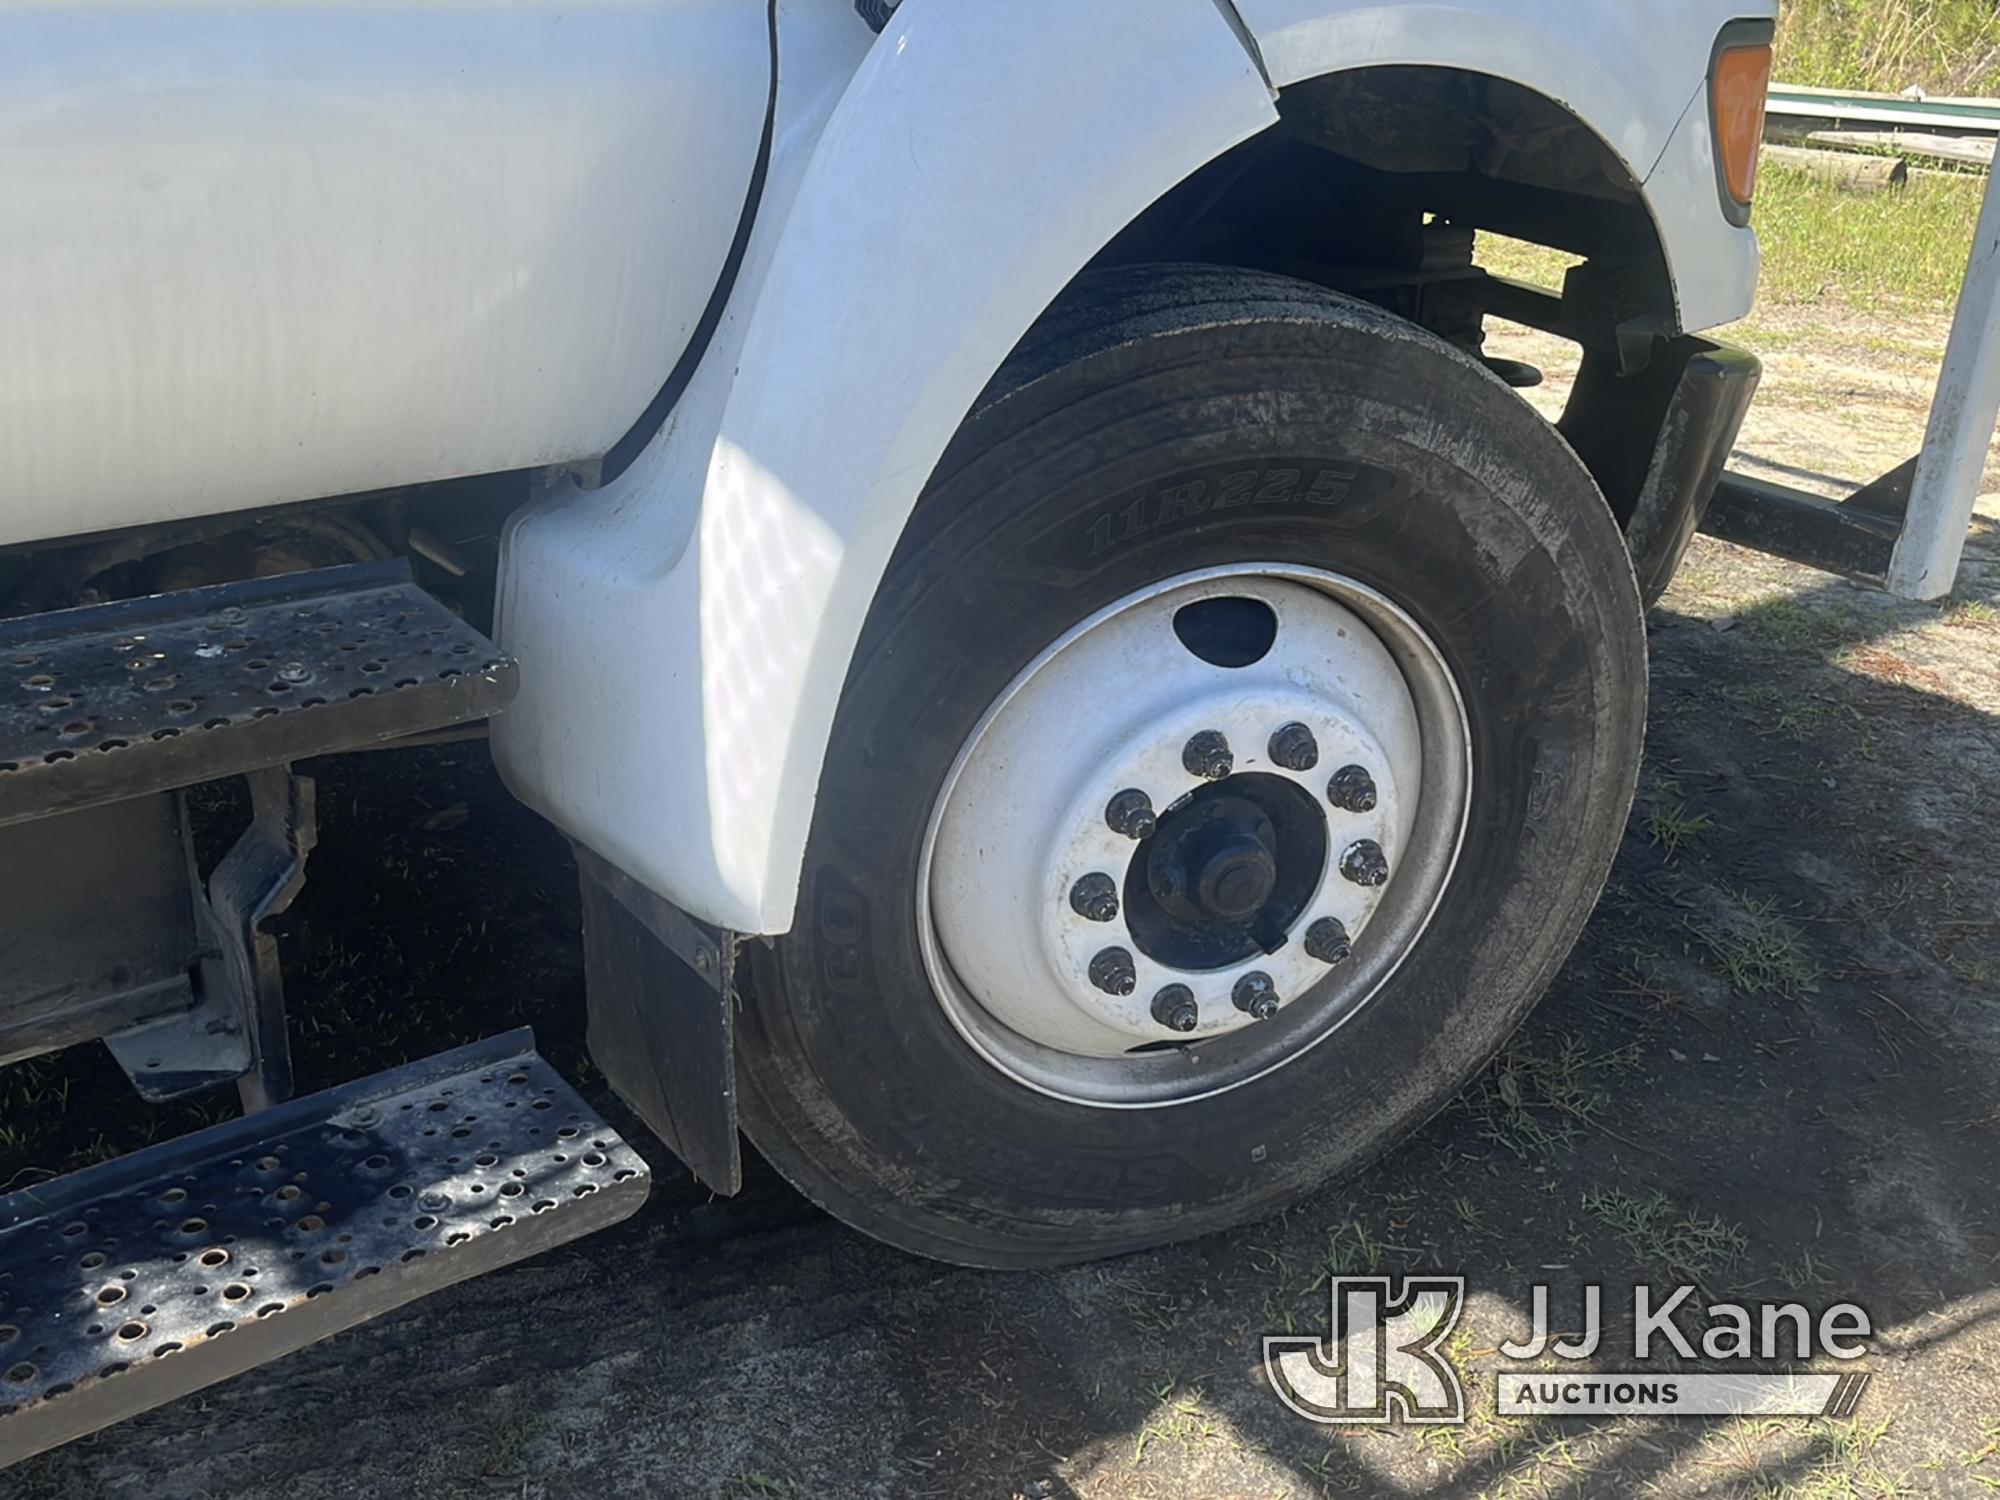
(1935, 116)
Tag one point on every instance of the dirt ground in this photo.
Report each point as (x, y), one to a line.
(1772, 1066)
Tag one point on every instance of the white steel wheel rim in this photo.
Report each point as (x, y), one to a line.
(1111, 705)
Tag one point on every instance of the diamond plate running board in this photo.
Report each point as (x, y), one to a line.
(127, 1285)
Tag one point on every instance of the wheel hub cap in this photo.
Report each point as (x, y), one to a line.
(1138, 839)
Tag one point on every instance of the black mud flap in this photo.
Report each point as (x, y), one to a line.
(1657, 442)
(662, 1000)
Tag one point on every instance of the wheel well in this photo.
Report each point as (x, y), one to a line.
(1375, 181)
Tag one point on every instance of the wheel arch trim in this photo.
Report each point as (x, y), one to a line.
(685, 631)
(749, 538)
(1584, 56)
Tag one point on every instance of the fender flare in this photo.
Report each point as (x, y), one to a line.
(685, 631)
(1635, 74)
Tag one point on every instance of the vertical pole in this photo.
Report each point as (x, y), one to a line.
(1925, 564)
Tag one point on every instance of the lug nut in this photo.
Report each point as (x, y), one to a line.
(1130, 813)
(1256, 996)
(1095, 898)
(1112, 971)
(1352, 789)
(1174, 1008)
(1207, 756)
(1294, 748)
(1365, 864)
(1327, 941)
(293, 672)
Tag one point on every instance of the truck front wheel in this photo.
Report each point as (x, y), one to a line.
(1237, 745)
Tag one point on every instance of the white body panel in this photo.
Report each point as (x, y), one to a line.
(265, 252)
(1634, 70)
(977, 158)
(685, 632)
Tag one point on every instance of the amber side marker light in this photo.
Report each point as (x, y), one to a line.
(1738, 86)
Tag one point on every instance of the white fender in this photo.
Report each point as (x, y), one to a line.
(1637, 74)
(684, 631)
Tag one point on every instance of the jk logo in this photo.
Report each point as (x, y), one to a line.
(1385, 1360)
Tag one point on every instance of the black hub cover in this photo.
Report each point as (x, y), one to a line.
(1226, 873)
(1214, 863)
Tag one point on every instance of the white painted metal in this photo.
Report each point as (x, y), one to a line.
(1636, 74)
(1713, 263)
(257, 253)
(1626, 69)
(1960, 432)
(979, 156)
(1110, 707)
(738, 557)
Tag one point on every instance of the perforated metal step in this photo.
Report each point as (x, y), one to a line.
(117, 700)
(130, 1284)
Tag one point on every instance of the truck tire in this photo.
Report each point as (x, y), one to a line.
(1362, 629)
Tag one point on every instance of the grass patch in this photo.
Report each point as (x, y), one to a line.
(1653, 1230)
(1972, 614)
(505, 1445)
(1834, 1461)
(1535, 1098)
(757, 1482)
(1350, 1251)
(1905, 249)
(1784, 622)
(1940, 46)
(1670, 825)
(1759, 951)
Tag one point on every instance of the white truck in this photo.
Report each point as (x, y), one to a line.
(1086, 705)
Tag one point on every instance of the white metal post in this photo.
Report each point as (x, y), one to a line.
(1925, 564)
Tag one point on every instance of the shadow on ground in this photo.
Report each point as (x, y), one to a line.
(1769, 1069)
